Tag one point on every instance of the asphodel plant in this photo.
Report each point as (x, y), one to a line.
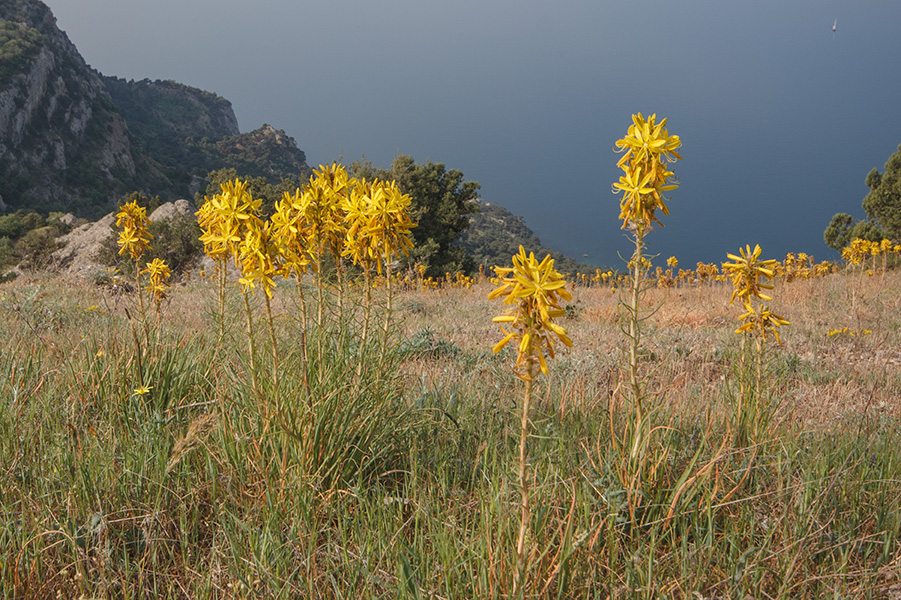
(222, 222)
(647, 150)
(289, 232)
(134, 239)
(322, 220)
(258, 258)
(227, 220)
(750, 276)
(359, 246)
(158, 274)
(387, 229)
(534, 292)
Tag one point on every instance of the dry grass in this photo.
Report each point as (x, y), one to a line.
(181, 496)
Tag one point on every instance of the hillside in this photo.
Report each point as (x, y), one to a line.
(73, 140)
(62, 141)
(495, 234)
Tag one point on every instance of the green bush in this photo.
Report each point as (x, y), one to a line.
(35, 247)
(11, 226)
(175, 240)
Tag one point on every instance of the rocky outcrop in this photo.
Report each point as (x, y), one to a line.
(170, 210)
(80, 249)
(265, 152)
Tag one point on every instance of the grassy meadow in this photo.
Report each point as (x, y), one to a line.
(165, 458)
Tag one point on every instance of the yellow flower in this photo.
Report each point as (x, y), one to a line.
(159, 274)
(141, 391)
(134, 237)
(535, 291)
(646, 139)
(746, 272)
(258, 256)
(647, 149)
(761, 321)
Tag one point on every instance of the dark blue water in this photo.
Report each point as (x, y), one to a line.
(781, 119)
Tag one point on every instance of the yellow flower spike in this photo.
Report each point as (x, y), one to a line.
(535, 290)
(647, 148)
(746, 272)
(134, 237)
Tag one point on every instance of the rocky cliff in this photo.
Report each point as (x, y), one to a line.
(73, 140)
(60, 134)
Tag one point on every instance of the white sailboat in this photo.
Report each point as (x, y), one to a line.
(835, 26)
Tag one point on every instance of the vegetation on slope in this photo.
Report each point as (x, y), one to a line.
(495, 234)
(19, 44)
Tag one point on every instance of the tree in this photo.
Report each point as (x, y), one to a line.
(883, 203)
(838, 234)
(441, 204)
(867, 230)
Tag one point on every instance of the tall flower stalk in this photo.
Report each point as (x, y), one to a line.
(388, 226)
(218, 235)
(134, 239)
(534, 291)
(647, 150)
(325, 232)
(750, 276)
(290, 235)
(227, 219)
(258, 257)
(158, 275)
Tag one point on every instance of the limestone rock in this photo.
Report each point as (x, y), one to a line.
(81, 246)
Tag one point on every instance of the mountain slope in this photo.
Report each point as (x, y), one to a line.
(73, 140)
(61, 137)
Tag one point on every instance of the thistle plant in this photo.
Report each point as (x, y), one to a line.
(534, 291)
(647, 150)
(749, 275)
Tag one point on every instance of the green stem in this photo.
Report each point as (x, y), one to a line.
(319, 312)
(635, 347)
(388, 309)
(303, 338)
(521, 554)
(222, 276)
(251, 349)
(141, 298)
(274, 343)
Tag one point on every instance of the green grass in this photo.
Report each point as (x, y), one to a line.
(400, 480)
